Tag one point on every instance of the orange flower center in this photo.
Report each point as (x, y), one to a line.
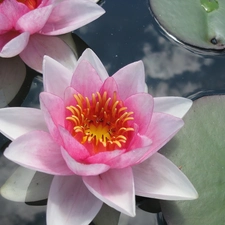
(102, 123)
(31, 4)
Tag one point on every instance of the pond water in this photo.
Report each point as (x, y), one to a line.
(127, 32)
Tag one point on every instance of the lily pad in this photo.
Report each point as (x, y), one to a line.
(27, 185)
(198, 23)
(199, 151)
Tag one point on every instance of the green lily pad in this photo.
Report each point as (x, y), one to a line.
(198, 23)
(199, 151)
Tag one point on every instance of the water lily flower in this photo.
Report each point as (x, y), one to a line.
(29, 27)
(99, 136)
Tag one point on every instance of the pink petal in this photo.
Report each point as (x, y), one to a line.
(161, 129)
(15, 45)
(109, 86)
(7, 37)
(54, 112)
(141, 147)
(157, 177)
(13, 9)
(93, 59)
(52, 70)
(175, 106)
(69, 15)
(5, 23)
(104, 157)
(15, 122)
(37, 151)
(142, 105)
(115, 188)
(130, 79)
(69, 98)
(85, 79)
(34, 20)
(54, 47)
(74, 148)
(70, 202)
(81, 168)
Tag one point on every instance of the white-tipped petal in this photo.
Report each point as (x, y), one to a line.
(53, 70)
(130, 79)
(15, 46)
(70, 202)
(37, 150)
(17, 121)
(158, 177)
(176, 106)
(69, 15)
(114, 187)
(83, 169)
(41, 45)
(93, 59)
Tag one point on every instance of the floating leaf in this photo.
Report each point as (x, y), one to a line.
(199, 151)
(198, 23)
(26, 185)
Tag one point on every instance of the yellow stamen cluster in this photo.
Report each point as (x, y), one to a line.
(31, 4)
(101, 121)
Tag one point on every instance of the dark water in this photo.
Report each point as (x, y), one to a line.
(126, 33)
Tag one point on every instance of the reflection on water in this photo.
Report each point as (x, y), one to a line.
(173, 59)
(128, 32)
(32, 99)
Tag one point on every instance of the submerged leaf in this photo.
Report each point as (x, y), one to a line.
(26, 185)
(12, 75)
(107, 215)
(199, 151)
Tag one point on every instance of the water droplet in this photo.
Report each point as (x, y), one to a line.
(209, 5)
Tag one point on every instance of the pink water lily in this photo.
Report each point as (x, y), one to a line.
(99, 136)
(29, 27)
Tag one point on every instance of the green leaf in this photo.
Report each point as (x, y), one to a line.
(199, 151)
(198, 23)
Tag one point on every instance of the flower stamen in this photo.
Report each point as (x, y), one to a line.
(31, 4)
(103, 123)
